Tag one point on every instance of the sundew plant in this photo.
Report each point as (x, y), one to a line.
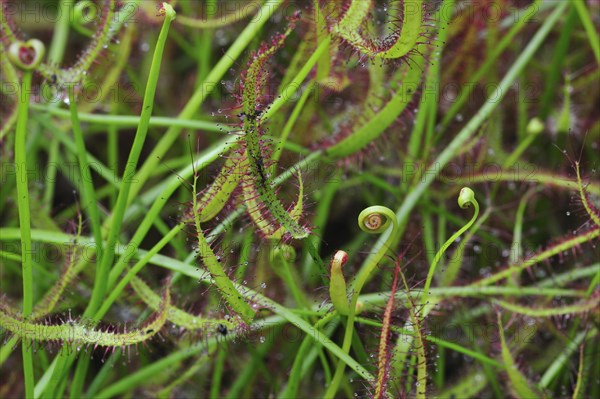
(297, 199)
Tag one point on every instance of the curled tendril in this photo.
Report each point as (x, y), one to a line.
(466, 198)
(373, 222)
(375, 219)
(84, 12)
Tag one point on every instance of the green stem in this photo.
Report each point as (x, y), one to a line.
(133, 120)
(88, 193)
(217, 376)
(589, 27)
(528, 175)
(130, 167)
(379, 250)
(370, 220)
(280, 258)
(470, 199)
(472, 290)
(25, 222)
(429, 99)
(61, 33)
(557, 66)
(116, 291)
(64, 362)
(563, 358)
(516, 248)
(113, 152)
(456, 261)
(51, 173)
(302, 357)
(540, 256)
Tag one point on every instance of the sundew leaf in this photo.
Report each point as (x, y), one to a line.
(397, 44)
(591, 210)
(581, 307)
(372, 129)
(218, 193)
(213, 265)
(175, 315)
(261, 214)
(78, 333)
(271, 209)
